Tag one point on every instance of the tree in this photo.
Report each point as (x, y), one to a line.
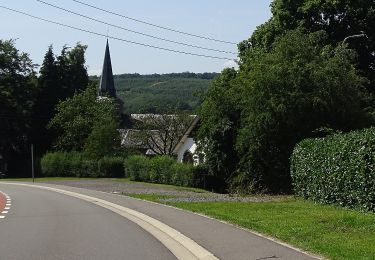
(71, 71)
(60, 77)
(288, 93)
(277, 98)
(17, 97)
(220, 117)
(47, 99)
(339, 19)
(80, 120)
(161, 133)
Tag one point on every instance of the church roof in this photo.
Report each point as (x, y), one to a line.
(107, 85)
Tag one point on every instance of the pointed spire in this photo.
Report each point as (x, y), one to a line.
(107, 85)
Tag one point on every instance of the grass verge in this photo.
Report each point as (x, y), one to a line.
(333, 232)
(150, 197)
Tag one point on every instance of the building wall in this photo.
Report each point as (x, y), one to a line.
(189, 145)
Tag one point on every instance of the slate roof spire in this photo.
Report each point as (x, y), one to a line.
(107, 85)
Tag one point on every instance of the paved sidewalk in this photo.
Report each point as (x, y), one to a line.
(223, 240)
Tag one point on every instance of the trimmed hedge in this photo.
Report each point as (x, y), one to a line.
(338, 169)
(74, 164)
(160, 169)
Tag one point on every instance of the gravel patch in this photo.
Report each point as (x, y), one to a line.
(113, 186)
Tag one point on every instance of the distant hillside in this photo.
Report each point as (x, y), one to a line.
(158, 93)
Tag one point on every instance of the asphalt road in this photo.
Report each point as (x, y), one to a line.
(47, 225)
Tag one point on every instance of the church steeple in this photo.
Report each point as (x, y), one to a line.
(107, 85)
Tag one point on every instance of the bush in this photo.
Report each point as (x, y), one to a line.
(338, 169)
(160, 169)
(137, 167)
(111, 167)
(74, 164)
(183, 174)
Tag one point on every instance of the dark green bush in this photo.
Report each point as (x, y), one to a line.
(111, 167)
(160, 169)
(338, 169)
(183, 174)
(74, 164)
(137, 167)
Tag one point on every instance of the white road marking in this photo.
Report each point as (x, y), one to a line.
(4, 212)
(7, 208)
(180, 245)
(2, 216)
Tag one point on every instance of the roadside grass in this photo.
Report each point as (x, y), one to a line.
(333, 232)
(150, 197)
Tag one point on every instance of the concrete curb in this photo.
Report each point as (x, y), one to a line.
(180, 245)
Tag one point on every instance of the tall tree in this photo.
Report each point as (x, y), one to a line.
(60, 77)
(343, 20)
(17, 97)
(278, 97)
(220, 116)
(48, 97)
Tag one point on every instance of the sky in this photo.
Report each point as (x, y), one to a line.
(227, 20)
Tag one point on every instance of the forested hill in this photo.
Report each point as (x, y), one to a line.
(158, 93)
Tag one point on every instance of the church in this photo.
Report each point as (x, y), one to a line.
(183, 147)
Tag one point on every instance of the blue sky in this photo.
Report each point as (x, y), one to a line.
(229, 20)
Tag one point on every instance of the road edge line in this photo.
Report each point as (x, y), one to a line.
(180, 245)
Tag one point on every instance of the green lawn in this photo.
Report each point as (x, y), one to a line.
(330, 231)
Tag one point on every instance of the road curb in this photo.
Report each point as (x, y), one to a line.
(180, 245)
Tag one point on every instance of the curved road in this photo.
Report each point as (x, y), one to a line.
(41, 224)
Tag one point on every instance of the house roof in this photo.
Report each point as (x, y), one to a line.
(186, 135)
(107, 85)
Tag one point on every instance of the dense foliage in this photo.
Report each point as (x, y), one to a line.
(84, 123)
(74, 164)
(60, 77)
(156, 93)
(18, 92)
(338, 169)
(160, 169)
(342, 20)
(253, 117)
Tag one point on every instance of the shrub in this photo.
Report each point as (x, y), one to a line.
(137, 167)
(182, 174)
(111, 167)
(74, 164)
(161, 169)
(338, 169)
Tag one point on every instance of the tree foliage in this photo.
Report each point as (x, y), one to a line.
(277, 98)
(339, 19)
(60, 77)
(84, 123)
(17, 98)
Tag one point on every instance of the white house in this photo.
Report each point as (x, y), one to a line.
(186, 149)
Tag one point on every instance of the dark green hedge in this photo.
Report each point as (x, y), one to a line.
(160, 169)
(74, 164)
(338, 169)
